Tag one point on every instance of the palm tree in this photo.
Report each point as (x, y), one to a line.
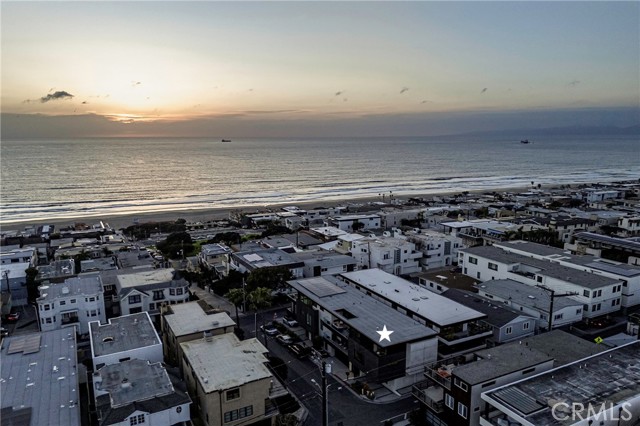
(235, 296)
(259, 298)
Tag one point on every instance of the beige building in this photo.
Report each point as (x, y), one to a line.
(190, 321)
(229, 382)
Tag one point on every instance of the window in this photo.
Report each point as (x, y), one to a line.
(478, 274)
(233, 394)
(586, 293)
(539, 278)
(558, 316)
(48, 320)
(493, 266)
(578, 311)
(179, 291)
(461, 385)
(615, 302)
(72, 301)
(462, 410)
(63, 302)
(473, 260)
(599, 293)
(486, 385)
(152, 306)
(47, 307)
(136, 420)
(135, 299)
(449, 401)
(172, 291)
(158, 294)
(241, 413)
(508, 330)
(525, 326)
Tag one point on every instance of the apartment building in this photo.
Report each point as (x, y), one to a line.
(393, 255)
(229, 382)
(356, 222)
(148, 290)
(138, 392)
(317, 263)
(460, 329)
(342, 316)
(600, 295)
(75, 302)
(247, 261)
(438, 249)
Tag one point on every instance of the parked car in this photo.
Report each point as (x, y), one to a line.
(3, 332)
(322, 353)
(269, 329)
(291, 322)
(299, 350)
(13, 316)
(285, 340)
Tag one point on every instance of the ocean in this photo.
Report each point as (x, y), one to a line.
(56, 179)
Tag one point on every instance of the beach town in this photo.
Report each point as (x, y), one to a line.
(466, 308)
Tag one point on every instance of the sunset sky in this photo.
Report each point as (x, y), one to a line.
(316, 68)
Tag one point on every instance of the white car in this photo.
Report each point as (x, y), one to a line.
(290, 322)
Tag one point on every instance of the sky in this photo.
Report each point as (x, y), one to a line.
(251, 69)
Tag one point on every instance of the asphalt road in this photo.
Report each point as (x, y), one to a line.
(345, 408)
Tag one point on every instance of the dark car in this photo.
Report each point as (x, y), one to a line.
(13, 316)
(269, 329)
(300, 351)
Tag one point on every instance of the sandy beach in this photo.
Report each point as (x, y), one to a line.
(203, 215)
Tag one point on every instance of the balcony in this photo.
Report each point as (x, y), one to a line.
(70, 320)
(440, 375)
(430, 395)
(497, 418)
(476, 328)
(337, 326)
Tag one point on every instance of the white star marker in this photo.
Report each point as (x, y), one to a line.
(384, 334)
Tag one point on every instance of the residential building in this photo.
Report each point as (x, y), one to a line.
(247, 261)
(508, 324)
(137, 392)
(229, 382)
(215, 257)
(124, 338)
(628, 274)
(453, 389)
(441, 280)
(28, 255)
(75, 302)
(361, 222)
(317, 263)
(57, 271)
(342, 316)
(438, 249)
(533, 301)
(629, 226)
(148, 290)
(460, 329)
(317, 216)
(13, 279)
(620, 249)
(190, 321)
(572, 395)
(40, 379)
(392, 217)
(566, 227)
(345, 243)
(393, 255)
(599, 294)
(328, 233)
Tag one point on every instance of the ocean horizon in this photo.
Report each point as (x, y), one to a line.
(54, 179)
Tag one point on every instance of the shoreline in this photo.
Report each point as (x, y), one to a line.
(118, 221)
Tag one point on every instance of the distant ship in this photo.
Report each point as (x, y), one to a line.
(524, 141)
(226, 140)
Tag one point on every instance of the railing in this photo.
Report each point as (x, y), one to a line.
(473, 329)
(439, 377)
(420, 392)
(70, 320)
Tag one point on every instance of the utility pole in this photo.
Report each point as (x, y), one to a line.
(6, 277)
(552, 296)
(326, 368)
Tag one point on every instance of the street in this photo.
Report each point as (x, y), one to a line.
(345, 408)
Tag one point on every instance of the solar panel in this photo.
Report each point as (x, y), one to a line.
(321, 287)
(620, 270)
(26, 345)
(519, 400)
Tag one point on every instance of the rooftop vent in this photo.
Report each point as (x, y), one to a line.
(107, 339)
(531, 297)
(65, 290)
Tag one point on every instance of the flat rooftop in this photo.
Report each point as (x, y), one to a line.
(189, 318)
(39, 379)
(214, 249)
(355, 309)
(147, 277)
(433, 307)
(526, 295)
(90, 285)
(543, 267)
(267, 258)
(122, 334)
(224, 362)
(610, 378)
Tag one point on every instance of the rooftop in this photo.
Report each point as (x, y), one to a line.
(526, 295)
(544, 267)
(434, 307)
(122, 334)
(622, 242)
(579, 382)
(150, 277)
(214, 249)
(324, 258)
(266, 258)
(354, 308)
(77, 286)
(39, 379)
(224, 362)
(497, 313)
(189, 318)
(56, 269)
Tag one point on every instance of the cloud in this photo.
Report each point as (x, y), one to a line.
(341, 92)
(61, 94)
(573, 83)
(483, 90)
(404, 89)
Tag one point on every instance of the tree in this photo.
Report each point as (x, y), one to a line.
(32, 285)
(271, 278)
(260, 298)
(175, 245)
(236, 296)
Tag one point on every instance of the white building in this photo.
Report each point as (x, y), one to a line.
(600, 295)
(630, 226)
(345, 243)
(361, 221)
(393, 255)
(137, 392)
(124, 338)
(27, 255)
(438, 250)
(75, 302)
(148, 290)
